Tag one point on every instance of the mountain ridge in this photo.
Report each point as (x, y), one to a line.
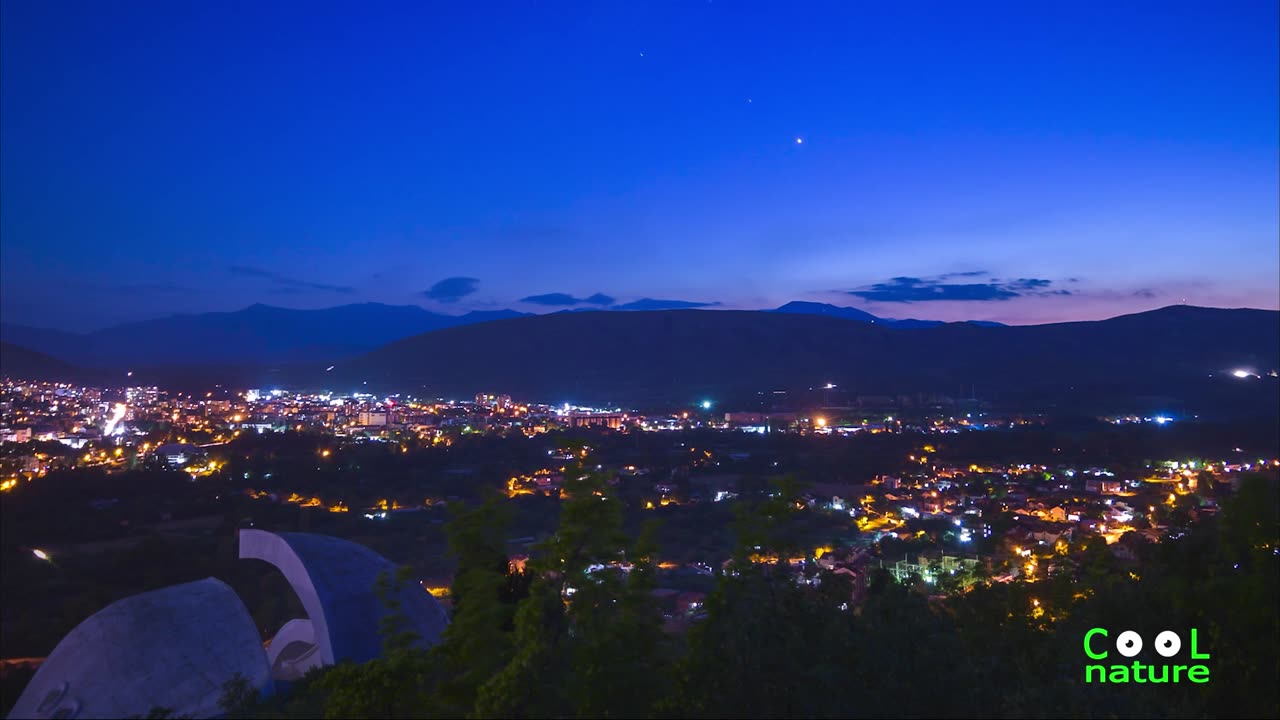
(255, 334)
(802, 307)
(262, 333)
(1177, 358)
(27, 364)
(680, 355)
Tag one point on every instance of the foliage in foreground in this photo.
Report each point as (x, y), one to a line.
(570, 640)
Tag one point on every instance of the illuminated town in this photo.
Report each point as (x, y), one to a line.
(1016, 521)
(703, 360)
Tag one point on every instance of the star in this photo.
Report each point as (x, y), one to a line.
(799, 141)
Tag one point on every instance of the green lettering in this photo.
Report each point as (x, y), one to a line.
(1164, 674)
(1198, 674)
(1119, 673)
(1137, 671)
(1177, 672)
(1088, 673)
(1195, 652)
(1103, 655)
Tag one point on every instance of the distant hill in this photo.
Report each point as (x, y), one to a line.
(263, 334)
(1165, 356)
(26, 364)
(259, 334)
(798, 307)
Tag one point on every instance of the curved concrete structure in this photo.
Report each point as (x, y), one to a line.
(176, 647)
(293, 650)
(172, 648)
(336, 582)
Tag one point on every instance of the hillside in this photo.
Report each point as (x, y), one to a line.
(268, 335)
(679, 356)
(797, 307)
(258, 334)
(26, 364)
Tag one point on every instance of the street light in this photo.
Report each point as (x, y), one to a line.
(41, 554)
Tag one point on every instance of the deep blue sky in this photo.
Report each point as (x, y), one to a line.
(1019, 161)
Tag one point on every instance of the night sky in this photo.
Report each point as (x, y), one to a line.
(1020, 162)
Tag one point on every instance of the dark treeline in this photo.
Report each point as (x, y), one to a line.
(560, 641)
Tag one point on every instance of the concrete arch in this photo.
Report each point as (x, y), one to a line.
(172, 648)
(336, 580)
(294, 650)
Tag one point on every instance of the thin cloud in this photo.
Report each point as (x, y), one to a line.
(654, 304)
(967, 274)
(552, 299)
(452, 289)
(288, 282)
(911, 289)
(566, 300)
(150, 288)
(132, 288)
(156, 288)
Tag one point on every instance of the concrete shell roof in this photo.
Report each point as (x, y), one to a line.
(173, 647)
(336, 580)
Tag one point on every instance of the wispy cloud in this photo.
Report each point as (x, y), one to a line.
(653, 304)
(288, 282)
(157, 288)
(452, 289)
(138, 288)
(565, 300)
(966, 274)
(911, 289)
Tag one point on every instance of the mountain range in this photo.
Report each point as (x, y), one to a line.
(798, 307)
(20, 362)
(1175, 359)
(258, 334)
(1178, 356)
(263, 334)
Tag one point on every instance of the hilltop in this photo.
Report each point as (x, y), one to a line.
(682, 355)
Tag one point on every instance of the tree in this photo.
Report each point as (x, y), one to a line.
(478, 643)
(1205, 482)
(238, 696)
(396, 685)
(766, 641)
(588, 639)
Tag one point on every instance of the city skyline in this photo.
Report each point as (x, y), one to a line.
(1014, 164)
